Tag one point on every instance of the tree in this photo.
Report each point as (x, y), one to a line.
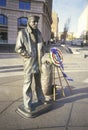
(65, 31)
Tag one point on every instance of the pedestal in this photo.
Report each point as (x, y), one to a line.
(37, 110)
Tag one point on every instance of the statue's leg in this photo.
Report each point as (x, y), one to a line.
(38, 88)
(25, 109)
(27, 92)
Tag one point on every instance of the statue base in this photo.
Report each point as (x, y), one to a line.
(37, 110)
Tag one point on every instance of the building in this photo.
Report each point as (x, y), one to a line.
(54, 26)
(13, 17)
(83, 22)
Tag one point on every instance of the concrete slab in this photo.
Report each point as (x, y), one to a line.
(9, 90)
(3, 106)
(11, 61)
(47, 128)
(8, 93)
(79, 115)
(53, 119)
(77, 128)
(6, 80)
(86, 80)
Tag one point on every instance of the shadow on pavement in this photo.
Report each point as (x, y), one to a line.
(77, 95)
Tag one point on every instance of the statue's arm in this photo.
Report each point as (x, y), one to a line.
(20, 46)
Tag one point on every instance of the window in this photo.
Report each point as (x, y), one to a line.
(24, 5)
(3, 35)
(2, 2)
(22, 22)
(3, 28)
(3, 20)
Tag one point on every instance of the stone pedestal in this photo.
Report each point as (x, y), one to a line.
(37, 110)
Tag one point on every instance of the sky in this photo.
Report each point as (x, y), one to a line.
(69, 9)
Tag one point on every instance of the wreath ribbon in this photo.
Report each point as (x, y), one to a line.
(57, 59)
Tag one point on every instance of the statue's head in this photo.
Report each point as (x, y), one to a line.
(33, 21)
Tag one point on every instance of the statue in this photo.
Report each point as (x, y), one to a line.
(29, 45)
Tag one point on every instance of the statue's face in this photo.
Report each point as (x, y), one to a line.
(33, 23)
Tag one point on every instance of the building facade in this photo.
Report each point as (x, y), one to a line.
(13, 17)
(54, 26)
(83, 22)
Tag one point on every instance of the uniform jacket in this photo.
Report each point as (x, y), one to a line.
(30, 49)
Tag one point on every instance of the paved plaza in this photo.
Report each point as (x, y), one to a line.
(67, 113)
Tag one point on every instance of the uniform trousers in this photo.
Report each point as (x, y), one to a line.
(27, 90)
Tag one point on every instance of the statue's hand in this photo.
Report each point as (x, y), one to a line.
(31, 55)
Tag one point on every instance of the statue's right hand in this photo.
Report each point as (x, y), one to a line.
(31, 54)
